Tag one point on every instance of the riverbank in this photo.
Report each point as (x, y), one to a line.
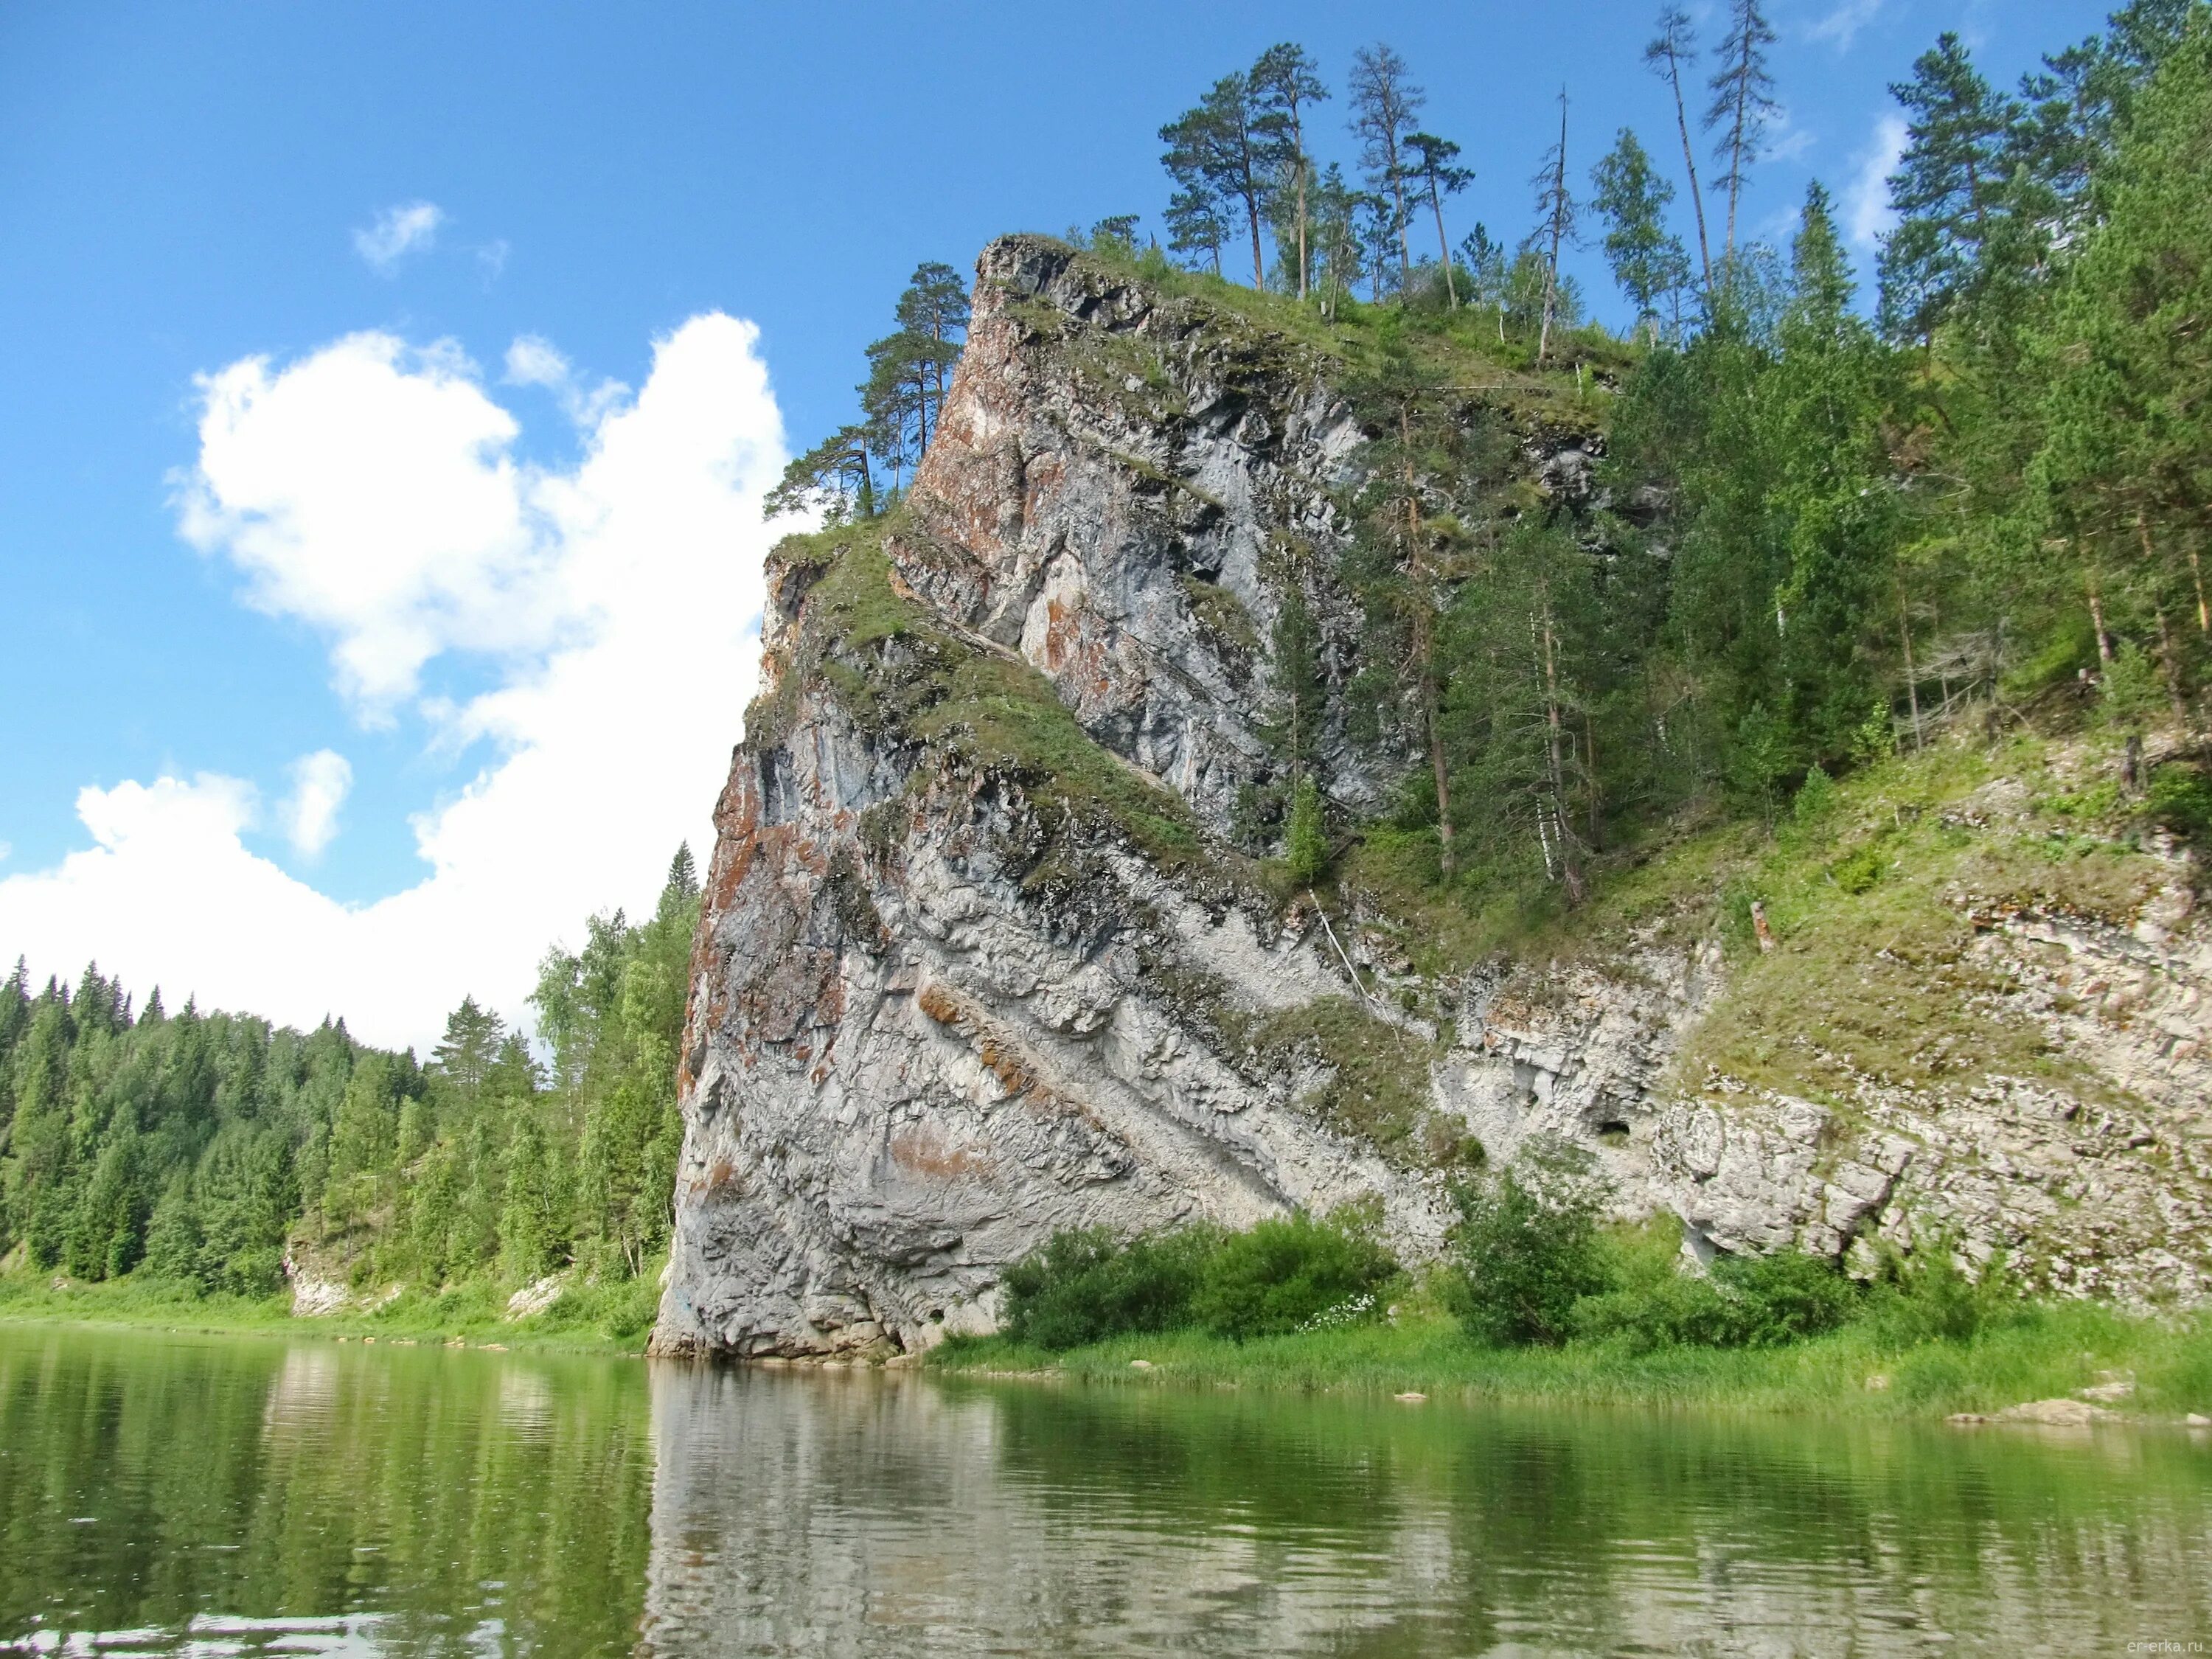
(614, 1319)
(2133, 1367)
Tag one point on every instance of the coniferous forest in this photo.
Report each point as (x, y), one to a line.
(1827, 524)
(212, 1152)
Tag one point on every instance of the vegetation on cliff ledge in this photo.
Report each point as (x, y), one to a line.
(1538, 1300)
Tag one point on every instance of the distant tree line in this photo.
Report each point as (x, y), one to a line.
(210, 1150)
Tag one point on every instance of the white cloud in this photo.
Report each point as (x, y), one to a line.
(1840, 27)
(320, 783)
(1867, 214)
(533, 360)
(410, 227)
(624, 596)
(491, 259)
(368, 491)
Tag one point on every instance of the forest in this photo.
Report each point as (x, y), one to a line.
(213, 1152)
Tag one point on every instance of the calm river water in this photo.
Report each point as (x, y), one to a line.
(180, 1494)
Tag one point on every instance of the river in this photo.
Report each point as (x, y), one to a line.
(168, 1493)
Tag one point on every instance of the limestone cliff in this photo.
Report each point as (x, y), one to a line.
(980, 957)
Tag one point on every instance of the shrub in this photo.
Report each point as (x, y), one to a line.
(1743, 1302)
(1528, 1247)
(1086, 1286)
(1782, 1297)
(1929, 1297)
(1283, 1275)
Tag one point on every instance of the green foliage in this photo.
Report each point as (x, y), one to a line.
(1086, 1287)
(1306, 852)
(1653, 1300)
(1283, 1275)
(213, 1153)
(1528, 1247)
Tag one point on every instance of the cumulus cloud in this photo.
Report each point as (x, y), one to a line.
(1840, 26)
(1867, 216)
(320, 783)
(533, 360)
(368, 491)
(623, 595)
(410, 227)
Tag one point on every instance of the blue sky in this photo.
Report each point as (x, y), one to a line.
(186, 189)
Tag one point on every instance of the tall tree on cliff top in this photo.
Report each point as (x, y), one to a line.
(833, 479)
(1743, 102)
(1196, 223)
(1948, 189)
(1429, 163)
(1283, 83)
(1669, 52)
(1384, 103)
(1220, 148)
(2125, 472)
(935, 307)
(1648, 259)
(1555, 223)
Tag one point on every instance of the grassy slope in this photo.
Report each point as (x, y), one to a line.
(1871, 975)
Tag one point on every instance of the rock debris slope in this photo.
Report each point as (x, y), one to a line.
(979, 961)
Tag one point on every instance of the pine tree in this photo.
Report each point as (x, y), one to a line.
(1283, 84)
(1669, 51)
(1743, 103)
(1307, 848)
(1196, 224)
(1385, 104)
(1555, 225)
(1429, 163)
(1220, 151)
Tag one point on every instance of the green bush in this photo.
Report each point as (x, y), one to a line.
(1086, 1286)
(2181, 800)
(1929, 1297)
(1528, 1247)
(1283, 1275)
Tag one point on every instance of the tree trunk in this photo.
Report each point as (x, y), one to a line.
(2097, 617)
(1690, 162)
(1443, 247)
(1553, 727)
(2170, 661)
(1558, 231)
(1912, 674)
(2196, 576)
(1298, 160)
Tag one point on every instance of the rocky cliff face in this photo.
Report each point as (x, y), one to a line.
(980, 960)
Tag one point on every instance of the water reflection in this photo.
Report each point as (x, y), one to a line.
(208, 1496)
(861, 1515)
(231, 1495)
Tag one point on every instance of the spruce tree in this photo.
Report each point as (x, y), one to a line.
(1947, 189)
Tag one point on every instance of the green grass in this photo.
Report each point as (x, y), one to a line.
(899, 670)
(2052, 1351)
(616, 1319)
